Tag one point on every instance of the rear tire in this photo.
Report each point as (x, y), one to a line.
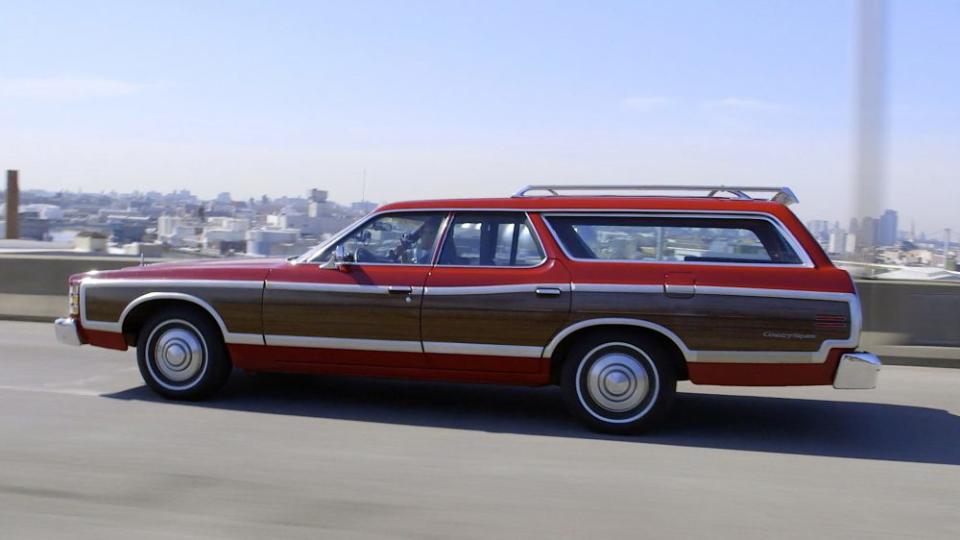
(618, 383)
(181, 354)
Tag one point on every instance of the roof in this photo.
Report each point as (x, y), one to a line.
(595, 203)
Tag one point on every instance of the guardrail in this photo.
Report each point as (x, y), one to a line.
(905, 322)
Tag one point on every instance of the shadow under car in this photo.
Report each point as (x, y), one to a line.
(760, 424)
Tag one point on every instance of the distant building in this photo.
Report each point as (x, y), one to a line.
(867, 233)
(222, 234)
(270, 242)
(42, 211)
(851, 244)
(179, 232)
(363, 207)
(837, 242)
(819, 228)
(95, 242)
(887, 229)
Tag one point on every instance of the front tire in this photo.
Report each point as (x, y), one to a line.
(181, 355)
(618, 383)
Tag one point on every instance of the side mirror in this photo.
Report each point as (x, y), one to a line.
(340, 259)
(337, 261)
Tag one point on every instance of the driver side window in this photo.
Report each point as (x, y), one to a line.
(403, 238)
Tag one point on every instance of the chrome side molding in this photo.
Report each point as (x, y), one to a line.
(857, 371)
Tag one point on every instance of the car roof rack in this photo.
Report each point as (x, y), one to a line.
(782, 195)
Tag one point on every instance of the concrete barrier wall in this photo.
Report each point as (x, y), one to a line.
(34, 287)
(906, 322)
(911, 322)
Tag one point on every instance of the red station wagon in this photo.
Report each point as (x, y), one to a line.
(613, 297)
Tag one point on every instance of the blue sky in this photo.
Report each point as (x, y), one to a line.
(472, 98)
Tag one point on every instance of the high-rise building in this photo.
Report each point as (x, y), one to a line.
(838, 241)
(867, 232)
(819, 228)
(887, 229)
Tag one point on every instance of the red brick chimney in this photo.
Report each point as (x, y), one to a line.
(13, 206)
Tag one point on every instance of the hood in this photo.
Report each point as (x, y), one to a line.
(216, 269)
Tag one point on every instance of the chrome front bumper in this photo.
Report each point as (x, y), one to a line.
(67, 331)
(857, 371)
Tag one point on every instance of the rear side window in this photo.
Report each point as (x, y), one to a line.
(672, 239)
(491, 239)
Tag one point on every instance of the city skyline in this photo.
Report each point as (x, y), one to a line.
(899, 222)
(456, 101)
(887, 228)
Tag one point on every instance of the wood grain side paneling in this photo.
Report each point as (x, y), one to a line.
(521, 318)
(726, 323)
(341, 314)
(239, 308)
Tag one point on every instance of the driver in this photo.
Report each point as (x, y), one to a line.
(420, 242)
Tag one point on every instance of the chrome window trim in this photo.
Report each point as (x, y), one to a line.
(530, 225)
(307, 258)
(782, 230)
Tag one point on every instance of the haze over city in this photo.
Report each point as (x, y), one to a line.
(444, 100)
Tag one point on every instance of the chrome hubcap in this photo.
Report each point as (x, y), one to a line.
(617, 382)
(178, 354)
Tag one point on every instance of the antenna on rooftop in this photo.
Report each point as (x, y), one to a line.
(363, 187)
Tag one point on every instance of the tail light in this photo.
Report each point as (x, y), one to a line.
(74, 299)
(830, 321)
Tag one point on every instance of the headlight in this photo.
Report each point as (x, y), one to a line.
(74, 299)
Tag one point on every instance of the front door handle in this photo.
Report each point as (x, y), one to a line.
(399, 289)
(547, 291)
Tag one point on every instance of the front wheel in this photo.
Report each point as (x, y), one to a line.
(618, 383)
(181, 354)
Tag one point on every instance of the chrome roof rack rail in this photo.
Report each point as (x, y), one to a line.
(782, 195)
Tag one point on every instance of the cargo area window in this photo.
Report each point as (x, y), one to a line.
(672, 239)
(490, 239)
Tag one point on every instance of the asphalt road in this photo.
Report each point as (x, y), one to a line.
(86, 451)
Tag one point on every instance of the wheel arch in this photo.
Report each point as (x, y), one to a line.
(557, 349)
(135, 314)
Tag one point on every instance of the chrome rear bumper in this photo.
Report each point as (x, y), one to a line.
(857, 371)
(67, 331)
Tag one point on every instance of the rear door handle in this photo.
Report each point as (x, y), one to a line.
(679, 291)
(548, 291)
(399, 289)
(680, 285)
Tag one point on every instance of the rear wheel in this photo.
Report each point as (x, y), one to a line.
(181, 354)
(618, 383)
